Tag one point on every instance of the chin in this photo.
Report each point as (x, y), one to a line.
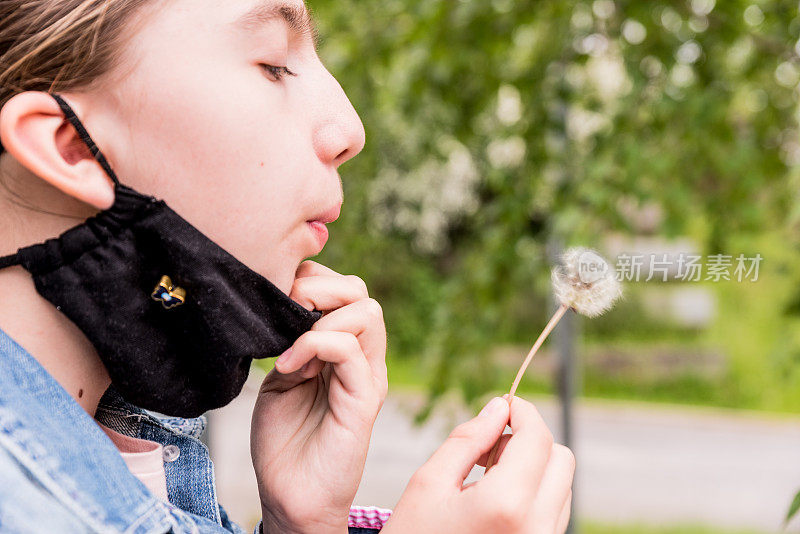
(281, 269)
(285, 280)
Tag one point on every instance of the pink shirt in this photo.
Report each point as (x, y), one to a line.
(144, 458)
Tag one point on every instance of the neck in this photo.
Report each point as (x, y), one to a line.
(33, 322)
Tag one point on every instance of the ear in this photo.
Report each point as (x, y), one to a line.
(34, 130)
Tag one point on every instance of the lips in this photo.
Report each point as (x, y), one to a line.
(320, 232)
(318, 228)
(329, 215)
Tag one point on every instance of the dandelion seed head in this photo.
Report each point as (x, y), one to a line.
(585, 282)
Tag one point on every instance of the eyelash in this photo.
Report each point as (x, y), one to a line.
(277, 72)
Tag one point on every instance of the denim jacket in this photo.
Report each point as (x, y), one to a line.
(59, 472)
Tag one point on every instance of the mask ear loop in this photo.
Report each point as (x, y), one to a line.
(70, 115)
(8, 261)
(14, 259)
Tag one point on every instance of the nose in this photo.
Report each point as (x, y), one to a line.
(339, 134)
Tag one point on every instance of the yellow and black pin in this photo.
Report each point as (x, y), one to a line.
(170, 296)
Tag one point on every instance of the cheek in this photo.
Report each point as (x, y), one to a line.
(229, 165)
(212, 136)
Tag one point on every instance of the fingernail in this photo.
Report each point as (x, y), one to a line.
(283, 358)
(494, 407)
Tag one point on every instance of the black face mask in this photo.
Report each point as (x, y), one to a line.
(175, 319)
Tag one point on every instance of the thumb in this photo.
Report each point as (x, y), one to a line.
(468, 441)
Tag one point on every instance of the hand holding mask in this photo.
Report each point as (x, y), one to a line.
(313, 418)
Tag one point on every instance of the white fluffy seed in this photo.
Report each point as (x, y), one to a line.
(585, 282)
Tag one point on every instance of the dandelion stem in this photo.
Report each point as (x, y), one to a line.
(536, 346)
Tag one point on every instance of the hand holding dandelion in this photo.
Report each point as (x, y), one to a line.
(583, 282)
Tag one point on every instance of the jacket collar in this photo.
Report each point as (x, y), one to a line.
(64, 449)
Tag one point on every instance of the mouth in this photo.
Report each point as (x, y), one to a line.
(318, 228)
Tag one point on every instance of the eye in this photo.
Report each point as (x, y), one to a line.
(277, 73)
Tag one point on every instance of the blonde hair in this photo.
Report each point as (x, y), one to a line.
(61, 45)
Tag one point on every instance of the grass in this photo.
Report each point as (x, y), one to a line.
(410, 374)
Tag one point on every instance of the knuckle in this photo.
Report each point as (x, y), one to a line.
(376, 403)
(373, 308)
(383, 390)
(351, 342)
(381, 399)
(318, 340)
(509, 513)
(359, 283)
(299, 286)
(566, 455)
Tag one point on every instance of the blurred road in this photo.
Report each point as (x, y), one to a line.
(637, 463)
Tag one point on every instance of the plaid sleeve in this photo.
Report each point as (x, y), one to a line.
(367, 517)
(362, 520)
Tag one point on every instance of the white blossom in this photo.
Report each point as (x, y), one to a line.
(509, 152)
(425, 201)
(634, 31)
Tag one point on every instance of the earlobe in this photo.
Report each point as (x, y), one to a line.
(33, 130)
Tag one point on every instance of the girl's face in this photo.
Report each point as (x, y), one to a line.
(207, 118)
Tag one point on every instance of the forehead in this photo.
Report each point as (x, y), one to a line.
(208, 28)
(184, 34)
(238, 15)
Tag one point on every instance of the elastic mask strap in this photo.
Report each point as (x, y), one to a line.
(13, 259)
(8, 261)
(85, 137)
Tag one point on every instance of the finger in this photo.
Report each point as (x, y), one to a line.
(280, 382)
(563, 519)
(555, 487)
(484, 457)
(525, 458)
(363, 319)
(313, 268)
(311, 368)
(276, 382)
(452, 462)
(339, 348)
(327, 292)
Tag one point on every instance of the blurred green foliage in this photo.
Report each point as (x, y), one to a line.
(495, 127)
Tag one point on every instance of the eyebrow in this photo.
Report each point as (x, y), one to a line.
(298, 19)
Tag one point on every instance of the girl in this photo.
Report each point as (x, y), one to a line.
(224, 110)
